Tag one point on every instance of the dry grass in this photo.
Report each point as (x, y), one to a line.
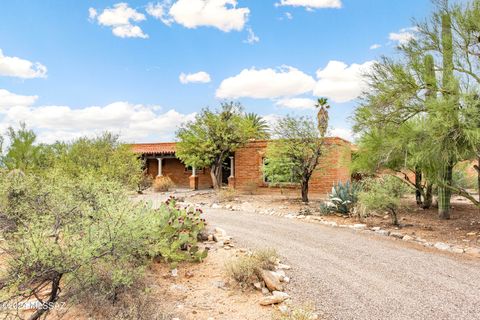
(226, 194)
(163, 184)
(298, 313)
(245, 269)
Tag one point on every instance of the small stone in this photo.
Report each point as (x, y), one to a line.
(385, 217)
(376, 229)
(441, 246)
(220, 231)
(396, 235)
(471, 234)
(216, 206)
(174, 272)
(210, 237)
(359, 226)
(283, 309)
(226, 247)
(265, 291)
(407, 238)
(283, 266)
(457, 250)
(383, 232)
(276, 297)
(258, 285)
(286, 279)
(300, 216)
(188, 274)
(473, 251)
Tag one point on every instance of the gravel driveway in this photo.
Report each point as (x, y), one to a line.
(349, 275)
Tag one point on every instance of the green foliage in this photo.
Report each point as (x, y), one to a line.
(85, 233)
(344, 196)
(294, 154)
(22, 153)
(260, 126)
(213, 136)
(382, 193)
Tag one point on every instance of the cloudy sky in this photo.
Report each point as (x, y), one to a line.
(70, 68)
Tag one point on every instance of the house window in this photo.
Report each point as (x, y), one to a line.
(189, 169)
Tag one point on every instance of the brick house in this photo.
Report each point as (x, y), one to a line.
(243, 169)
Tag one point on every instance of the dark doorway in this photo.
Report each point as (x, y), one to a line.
(225, 171)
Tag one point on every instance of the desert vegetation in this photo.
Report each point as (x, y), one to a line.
(70, 231)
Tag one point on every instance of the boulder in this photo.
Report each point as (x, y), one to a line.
(271, 280)
(276, 297)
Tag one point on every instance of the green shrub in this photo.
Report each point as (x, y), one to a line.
(344, 197)
(87, 233)
(383, 193)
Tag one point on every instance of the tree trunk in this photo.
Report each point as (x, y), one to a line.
(305, 189)
(477, 167)
(394, 216)
(46, 306)
(428, 199)
(418, 187)
(216, 175)
(445, 193)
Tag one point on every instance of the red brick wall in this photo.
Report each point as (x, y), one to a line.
(175, 170)
(332, 168)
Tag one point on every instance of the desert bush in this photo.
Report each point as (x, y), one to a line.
(383, 193)
(163, 184)
(246, 269)
(145, 183)
(87, 234)
(251, 187)
(342, 199)
(298, 313)
(226, 194)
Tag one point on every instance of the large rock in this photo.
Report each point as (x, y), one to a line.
(441, 246)
(272, 280)
(276, 297)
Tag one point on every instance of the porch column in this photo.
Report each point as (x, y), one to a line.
(231, 179)
(194, 179)
(160, 161)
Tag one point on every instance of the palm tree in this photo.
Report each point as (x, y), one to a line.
(259, 125)
(322, 115)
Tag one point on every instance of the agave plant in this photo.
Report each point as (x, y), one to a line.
(344, 196)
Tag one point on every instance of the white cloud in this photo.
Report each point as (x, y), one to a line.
(266, 83)
(220, 14)
(404, 35)
(8, 99)
(344, 133)
(296, 103)
(288, 15)
(121, 19)
(159, 11)
(311, 4)
(21, 68)
(252, 37)
(340, 82)
(199, 77)
(375, 46)
(134, 122)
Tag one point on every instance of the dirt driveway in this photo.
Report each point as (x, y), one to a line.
(348, 275)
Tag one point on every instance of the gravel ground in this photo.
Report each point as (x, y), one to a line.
(348, 275)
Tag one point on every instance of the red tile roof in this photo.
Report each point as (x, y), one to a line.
(152, 148)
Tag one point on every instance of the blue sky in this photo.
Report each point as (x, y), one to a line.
(71, 68)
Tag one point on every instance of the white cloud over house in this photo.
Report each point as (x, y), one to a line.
(266, 83)
(133, 122)
(221, 14)
(311, 4)
(121, 19)
(198, 77)
(340, 82)
(21, 68)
